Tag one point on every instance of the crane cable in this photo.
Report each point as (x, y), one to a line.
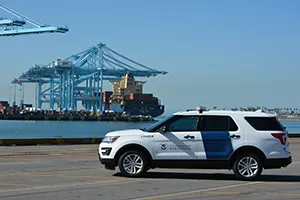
(129, 59)
(19, 15)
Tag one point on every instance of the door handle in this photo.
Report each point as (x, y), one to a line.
(189, 137)
(235, 136)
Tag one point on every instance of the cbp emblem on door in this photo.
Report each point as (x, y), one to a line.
(163, 147)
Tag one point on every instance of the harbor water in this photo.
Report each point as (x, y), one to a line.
(80, 129)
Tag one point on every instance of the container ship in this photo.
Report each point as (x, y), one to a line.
(127, 96)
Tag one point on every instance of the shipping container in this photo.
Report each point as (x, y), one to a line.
(4, 103)
(138, 96)
(107, 93)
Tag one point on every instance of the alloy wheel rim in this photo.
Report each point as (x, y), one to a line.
(133, 164)
(248, 167)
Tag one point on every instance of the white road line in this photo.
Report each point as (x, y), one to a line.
(18, 163)
(298, 162)
(64, 186)
(195, 191)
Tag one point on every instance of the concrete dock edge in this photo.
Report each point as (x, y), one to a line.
(60, 141)
(48, 141)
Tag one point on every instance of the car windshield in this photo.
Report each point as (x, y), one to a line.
(158, 123)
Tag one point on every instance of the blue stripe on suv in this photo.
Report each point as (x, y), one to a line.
(217, 145)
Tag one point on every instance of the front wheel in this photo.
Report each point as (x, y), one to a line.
(133, 163)
(247, 167)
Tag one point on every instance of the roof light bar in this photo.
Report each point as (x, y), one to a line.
(201, 109)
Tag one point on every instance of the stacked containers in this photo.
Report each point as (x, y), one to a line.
(3, 105)
(106, 96)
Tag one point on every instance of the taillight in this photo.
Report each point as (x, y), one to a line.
(280, 136)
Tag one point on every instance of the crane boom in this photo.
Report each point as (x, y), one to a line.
(8, 22)
(49, 29)
(19, 15)
(20, 27)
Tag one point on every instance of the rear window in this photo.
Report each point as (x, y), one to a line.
(265, 123)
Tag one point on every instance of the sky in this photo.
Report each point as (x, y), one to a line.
(217, 53)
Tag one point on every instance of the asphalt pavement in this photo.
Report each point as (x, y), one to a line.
(74, 172)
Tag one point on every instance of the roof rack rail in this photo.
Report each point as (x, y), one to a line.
(259, 110)
(188, 110)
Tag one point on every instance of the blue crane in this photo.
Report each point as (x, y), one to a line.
(25, 25)
(80, 77)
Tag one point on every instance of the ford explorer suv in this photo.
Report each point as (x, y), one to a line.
(245, 142)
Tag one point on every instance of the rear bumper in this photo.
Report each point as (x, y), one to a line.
(277, 163)
(108, 163)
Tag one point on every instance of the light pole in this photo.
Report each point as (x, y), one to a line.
(9, 94)
(36, 88)
(15, 93)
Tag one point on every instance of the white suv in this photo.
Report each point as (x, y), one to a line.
(246, 142)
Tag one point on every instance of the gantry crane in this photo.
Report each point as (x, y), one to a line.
(80, 77)
(24, 25)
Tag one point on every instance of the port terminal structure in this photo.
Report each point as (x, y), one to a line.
(24, 25)
(79, 77)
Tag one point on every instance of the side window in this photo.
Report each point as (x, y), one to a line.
(232, 125)
(217, 123)
(184, 123)
(265, 123)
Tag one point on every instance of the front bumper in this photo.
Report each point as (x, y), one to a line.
(277, 163)
(108, 163)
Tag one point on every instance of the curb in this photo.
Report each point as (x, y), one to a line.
(58, 141)
(77, 118)
(296, 135)
(48, 141)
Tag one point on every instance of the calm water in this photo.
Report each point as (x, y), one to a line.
(65, 129)
(292, 126)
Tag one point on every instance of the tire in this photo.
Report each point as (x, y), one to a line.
(140, 167)
(244, 173)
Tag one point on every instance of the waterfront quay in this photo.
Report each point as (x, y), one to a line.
(74, 172)
(68, 117)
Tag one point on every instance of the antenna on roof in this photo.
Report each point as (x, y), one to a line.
(201, 109)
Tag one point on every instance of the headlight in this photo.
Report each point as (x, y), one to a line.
(110, 139)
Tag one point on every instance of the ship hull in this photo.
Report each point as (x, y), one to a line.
(153, 111)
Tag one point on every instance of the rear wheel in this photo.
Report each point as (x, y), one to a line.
(247, 167)
(133, 163)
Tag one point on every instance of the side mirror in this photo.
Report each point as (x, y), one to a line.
(164, 129)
